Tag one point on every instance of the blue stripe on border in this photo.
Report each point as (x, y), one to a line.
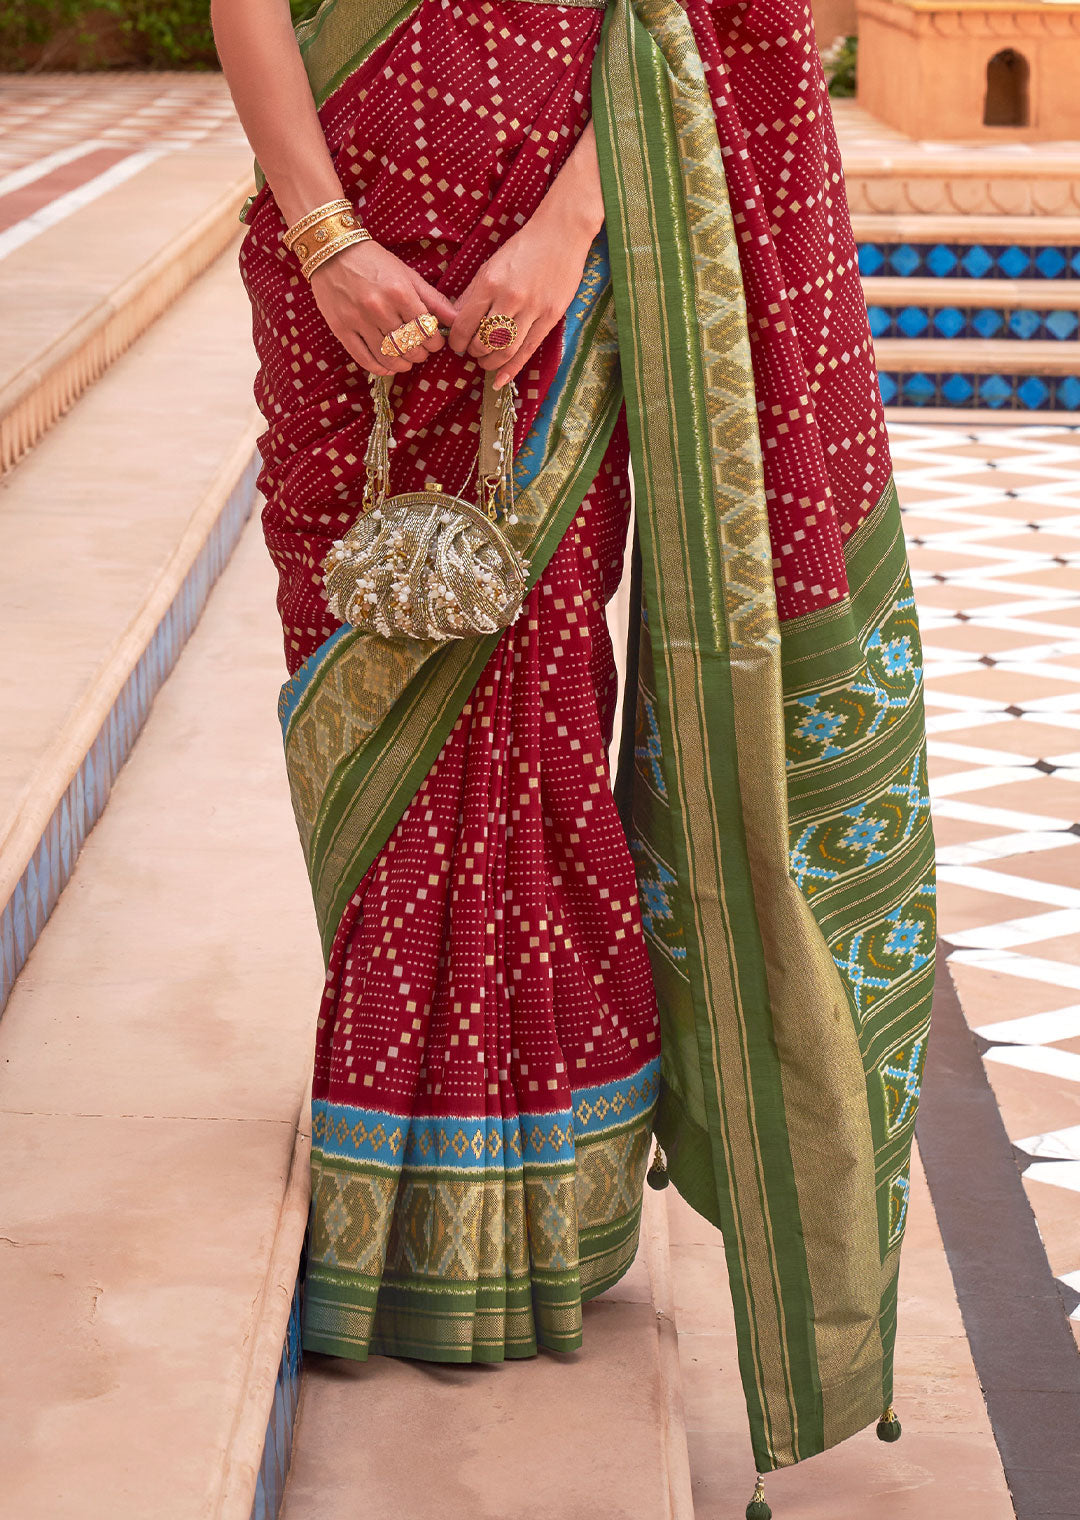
(465, 1144)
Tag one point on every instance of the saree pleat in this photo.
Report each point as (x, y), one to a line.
(524, 977)
(487, 1048)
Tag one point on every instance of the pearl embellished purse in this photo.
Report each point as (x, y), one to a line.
(426, 564)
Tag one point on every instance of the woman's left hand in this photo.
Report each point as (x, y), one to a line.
(535, 274)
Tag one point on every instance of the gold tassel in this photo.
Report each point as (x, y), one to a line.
(379, 444)
(757, 1509)
(657, 1175)
(888, 1427)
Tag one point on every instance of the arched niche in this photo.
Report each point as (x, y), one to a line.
(1008, 76)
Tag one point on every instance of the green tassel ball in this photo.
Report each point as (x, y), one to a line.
(889, 1427)
(757, 1509)
(657, 1176)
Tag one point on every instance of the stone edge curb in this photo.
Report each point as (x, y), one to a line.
(657, 1246)
(71, 785)
(48, 385)
(255, 1434)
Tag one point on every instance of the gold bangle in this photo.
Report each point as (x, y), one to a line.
(341, 224)
(291, 234)
(321, 255)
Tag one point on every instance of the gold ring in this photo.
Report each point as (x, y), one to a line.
(409, 335)
(497, 332)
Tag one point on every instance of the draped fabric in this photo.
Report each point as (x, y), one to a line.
(524, 978)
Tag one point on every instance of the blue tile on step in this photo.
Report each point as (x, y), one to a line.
(918, 389)
(957, 390)
(1014, 262)
(1068, 392)
(1033, 393)
(880, 320)
(949, 321)
(986, 322)
(1062, 324)
(1024, 323)
(905, 260)
(887, 386)
(912, 321)
(977, 262)
(1050, 262)
(995, 390)
(941, 260)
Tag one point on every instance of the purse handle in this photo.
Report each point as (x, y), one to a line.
(494, 454)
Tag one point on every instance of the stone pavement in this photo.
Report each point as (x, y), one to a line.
(993, 523)
(66, 139)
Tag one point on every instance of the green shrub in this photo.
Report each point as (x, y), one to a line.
(841, 60)
(88, 34)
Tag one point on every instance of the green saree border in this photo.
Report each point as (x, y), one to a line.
(776, 1092)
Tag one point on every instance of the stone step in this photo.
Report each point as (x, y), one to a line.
(1005, 295)
(946, 1461)
(598, 1433)
(154, 1061)
(947, 228)
(980, 374)
(112, 531)
(90, 284)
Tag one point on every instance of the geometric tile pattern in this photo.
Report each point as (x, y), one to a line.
(972, 261)
(1001, 391)
(46, 115)
(23, 916)
(992, 517)
(1019, 322)
(277, 1451)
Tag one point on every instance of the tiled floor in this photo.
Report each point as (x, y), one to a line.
(993, 522)
(67, 138)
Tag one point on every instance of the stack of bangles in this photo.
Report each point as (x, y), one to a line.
(328, 229)
(323, 232)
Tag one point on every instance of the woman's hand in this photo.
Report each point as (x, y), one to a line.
(535, 274)
(364, 292)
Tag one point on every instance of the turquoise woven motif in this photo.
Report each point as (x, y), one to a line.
(873, 961)
(824, 725)
(859, 837)
(647, 751)
(655, 881)
(901, 1072)
(899, 1194)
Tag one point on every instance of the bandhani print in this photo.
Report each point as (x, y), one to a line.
(529, 975)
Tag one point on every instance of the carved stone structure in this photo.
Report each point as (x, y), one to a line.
(972, 69)
(832, 19)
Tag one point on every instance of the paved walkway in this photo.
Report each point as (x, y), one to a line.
(65, 140)
(993, 522)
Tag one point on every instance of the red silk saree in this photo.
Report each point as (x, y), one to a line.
(526, 978)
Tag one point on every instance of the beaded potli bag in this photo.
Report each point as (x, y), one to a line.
(426, 564)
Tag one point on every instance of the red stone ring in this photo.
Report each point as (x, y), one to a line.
(497, 332)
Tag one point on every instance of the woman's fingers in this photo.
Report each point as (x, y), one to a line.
(474, 306)
(433, 300)
(510, 366)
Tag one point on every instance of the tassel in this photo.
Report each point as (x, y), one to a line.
(757, 1509)
(379, 444)
(657, 1176)
(888, 1427)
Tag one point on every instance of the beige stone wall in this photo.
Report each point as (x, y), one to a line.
(832, 19)
(922, 65)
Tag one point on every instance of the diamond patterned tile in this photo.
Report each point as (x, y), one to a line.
(994, 512)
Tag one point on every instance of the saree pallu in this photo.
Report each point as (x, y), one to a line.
(766, 885)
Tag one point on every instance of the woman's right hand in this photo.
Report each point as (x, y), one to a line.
(364, 292)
